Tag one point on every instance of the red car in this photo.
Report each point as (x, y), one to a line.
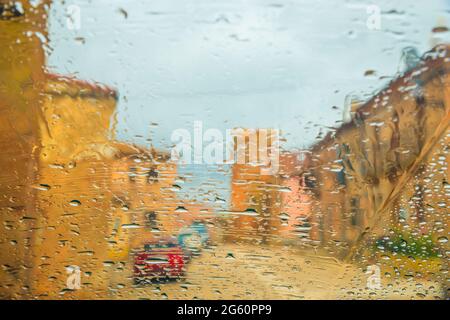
(159, 261)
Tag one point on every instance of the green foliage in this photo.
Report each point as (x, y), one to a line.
(408, 245)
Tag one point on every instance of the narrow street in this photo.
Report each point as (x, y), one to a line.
(250, 272)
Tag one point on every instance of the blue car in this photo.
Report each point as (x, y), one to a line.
(194, 238)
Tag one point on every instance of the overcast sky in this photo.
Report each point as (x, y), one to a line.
(231, 63)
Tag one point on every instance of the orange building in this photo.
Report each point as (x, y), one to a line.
(252, 193)
(296, 205)
(144, 208)
(387, 168)
(268, 208)
(296, 200)
(144, 188)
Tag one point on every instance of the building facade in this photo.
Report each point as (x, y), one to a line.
(389, 164)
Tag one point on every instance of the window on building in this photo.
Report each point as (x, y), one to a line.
(355, 210)
(11, 10)
(152, 176)
(340, 177)
(151, 220)
(310, 181)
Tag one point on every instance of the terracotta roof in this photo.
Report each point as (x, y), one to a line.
(65, 85)
(131, 150)
(126, 150)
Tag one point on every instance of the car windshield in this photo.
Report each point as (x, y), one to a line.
(275, 149)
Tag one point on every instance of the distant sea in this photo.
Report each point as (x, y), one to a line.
(207, 184)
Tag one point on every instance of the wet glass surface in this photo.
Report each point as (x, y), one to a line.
(240, 149)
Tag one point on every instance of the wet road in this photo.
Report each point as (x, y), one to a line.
(250, 272)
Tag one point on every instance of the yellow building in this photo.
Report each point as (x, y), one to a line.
(98, 199)
(73, 182)
(22, 57)
(71, 196)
